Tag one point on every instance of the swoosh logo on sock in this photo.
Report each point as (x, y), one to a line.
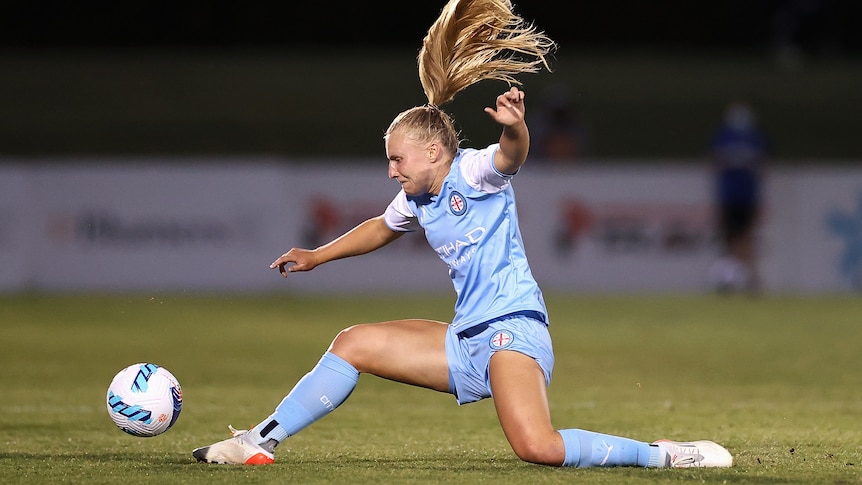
(608, 455)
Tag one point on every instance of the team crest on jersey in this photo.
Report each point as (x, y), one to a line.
(457, 203)
(501, 339)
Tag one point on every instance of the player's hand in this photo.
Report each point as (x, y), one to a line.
(302, 259)
(509, 108)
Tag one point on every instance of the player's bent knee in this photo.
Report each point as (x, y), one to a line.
(352, 345)
(539, 453)
(346, 339)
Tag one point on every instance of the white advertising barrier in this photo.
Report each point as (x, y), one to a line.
(127, 226)
(811, 240)
(202, 225)
(16, 224)
(191, 225)
(623, 227)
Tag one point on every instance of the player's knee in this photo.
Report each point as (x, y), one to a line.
(352, 345)
(539, 453)
(346, 340)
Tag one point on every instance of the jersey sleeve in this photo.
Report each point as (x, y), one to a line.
(398, 215)
(479, 171)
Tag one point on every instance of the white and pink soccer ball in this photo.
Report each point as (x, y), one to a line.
(144, 400)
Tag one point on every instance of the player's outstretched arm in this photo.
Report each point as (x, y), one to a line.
(515, 139)
(366, 237)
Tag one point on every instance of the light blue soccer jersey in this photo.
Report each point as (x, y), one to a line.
(473, 226)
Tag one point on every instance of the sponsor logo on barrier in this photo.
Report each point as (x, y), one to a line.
(627, 228)
(848, 227)
(107, 228)
(327, 217)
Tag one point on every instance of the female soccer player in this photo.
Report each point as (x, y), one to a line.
(498, 342)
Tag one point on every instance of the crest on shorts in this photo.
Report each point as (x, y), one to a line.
(501, 339)
(457, 203)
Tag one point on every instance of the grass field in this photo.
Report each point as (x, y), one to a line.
(775, 379)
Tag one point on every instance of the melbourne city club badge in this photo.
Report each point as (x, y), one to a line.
(457, 203)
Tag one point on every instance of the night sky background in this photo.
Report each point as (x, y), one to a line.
(650, 79)
(825, 25)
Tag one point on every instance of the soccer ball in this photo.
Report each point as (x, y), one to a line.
(144, 400)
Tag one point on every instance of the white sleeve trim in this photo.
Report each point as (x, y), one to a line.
(398, 215)
(479, 171)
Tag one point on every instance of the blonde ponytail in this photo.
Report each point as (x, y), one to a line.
(473, 40)
(470, 41)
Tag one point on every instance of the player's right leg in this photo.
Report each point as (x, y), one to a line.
(519, 374)
(408, 351)
(520, 399)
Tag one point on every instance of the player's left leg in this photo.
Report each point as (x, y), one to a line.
(318, 393)
(520, 397)
(408, 351)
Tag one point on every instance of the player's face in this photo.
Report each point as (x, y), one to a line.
(410, 164)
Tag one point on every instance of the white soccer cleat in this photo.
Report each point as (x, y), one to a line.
(695, 454)
(237, 450)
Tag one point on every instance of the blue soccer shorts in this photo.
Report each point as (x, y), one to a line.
(469, 352)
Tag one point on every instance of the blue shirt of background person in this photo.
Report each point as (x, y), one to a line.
(739, 149)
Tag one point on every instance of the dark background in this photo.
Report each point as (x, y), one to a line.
(318, 79)
(816, 25)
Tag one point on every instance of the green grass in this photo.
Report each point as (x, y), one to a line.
(775, 379)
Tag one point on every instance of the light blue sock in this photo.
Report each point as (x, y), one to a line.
(588, 449)
(317, 394)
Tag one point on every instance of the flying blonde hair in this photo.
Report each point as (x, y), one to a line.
(471, 40)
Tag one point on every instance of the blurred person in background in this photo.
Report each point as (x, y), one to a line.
(738, 152)
(557, 132)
